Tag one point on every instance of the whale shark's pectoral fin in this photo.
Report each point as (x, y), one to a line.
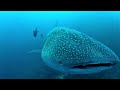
(62, 76)
(35, 51)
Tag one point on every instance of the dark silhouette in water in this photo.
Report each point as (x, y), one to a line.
(56, 24)
(35, 32)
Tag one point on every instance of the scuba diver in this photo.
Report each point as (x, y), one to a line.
(35, 32)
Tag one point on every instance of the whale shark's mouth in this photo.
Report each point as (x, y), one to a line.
(94, 65)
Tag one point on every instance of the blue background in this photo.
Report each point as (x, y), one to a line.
(16, 37)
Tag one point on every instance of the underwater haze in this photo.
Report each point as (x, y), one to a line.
(17, 39)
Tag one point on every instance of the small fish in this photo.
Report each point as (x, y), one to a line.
(35, 32)
(41, 35)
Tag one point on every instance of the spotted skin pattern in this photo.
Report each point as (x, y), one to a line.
(69, 47)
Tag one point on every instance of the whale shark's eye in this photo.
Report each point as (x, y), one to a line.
(94, 65)
(60, 62)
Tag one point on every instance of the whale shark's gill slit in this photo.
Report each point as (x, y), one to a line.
(94, 65)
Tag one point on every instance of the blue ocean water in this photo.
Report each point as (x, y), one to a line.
(16, 39)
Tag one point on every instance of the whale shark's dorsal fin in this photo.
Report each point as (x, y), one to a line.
(35, 51)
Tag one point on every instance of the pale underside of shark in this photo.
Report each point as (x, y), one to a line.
(72, 52)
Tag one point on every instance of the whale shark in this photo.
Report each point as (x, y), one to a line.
(73, 52)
